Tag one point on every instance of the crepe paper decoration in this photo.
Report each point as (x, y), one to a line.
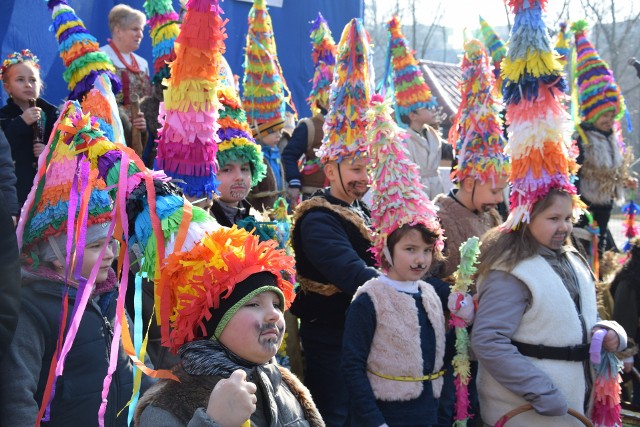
(631, 230)
(606, 388)
(398, 197)
(188, 140)
(163, 29)
(533, 91)
(476, 131)
(496, 48)
(80, 51)
(345, 125)
(469, 252)
(324, 60)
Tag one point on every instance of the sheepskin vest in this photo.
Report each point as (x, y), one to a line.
(603, 171)
(425, 150)
(395, 349)
(552, 320)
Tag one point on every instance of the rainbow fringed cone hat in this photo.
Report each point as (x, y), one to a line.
(533, 90)
(80, 51)
(188, 140)
(476, 132)
(495, 47)
(597, 89)
(410, 90)
(164, 29)
(397, 193)
(324, 60)
(265, 93)
(346, 122)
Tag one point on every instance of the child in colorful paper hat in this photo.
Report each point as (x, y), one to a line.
(496, 49)
(79, 51)
(65, 236)
(307, 137)
(415, 108)
(240, 164)
(531, 256)
(188, 140)
(604, 172)
(334, 217)
(482, 168)
(391, 308)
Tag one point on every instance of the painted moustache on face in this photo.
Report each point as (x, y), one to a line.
(270, 334)
(358, 188)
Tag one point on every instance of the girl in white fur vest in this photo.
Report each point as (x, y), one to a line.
(536, 315)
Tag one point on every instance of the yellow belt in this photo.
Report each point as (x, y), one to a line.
(428, 377)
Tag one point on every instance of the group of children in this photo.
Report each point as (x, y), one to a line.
(373, 309)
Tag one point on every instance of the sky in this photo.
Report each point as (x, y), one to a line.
(459, 14)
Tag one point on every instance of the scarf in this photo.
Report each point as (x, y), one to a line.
(210, 357)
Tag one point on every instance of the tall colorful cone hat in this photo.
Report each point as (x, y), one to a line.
(597, 89)
(101, 103)
(324, 60)
(188, 140)
(265, 93)
(562, 44)
(164, 29)
(346, 122)
(409, 89)
(476, 132)
(533, 89)
(397, 193)
(80, 51)
(495, 47)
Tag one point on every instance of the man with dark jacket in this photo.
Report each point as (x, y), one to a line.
(8, 178)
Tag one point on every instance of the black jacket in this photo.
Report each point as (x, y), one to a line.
(20, 136)
(24, 371)
(8, 177)
(330, 249)
(9, 278)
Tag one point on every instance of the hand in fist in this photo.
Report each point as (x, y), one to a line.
(232, 400)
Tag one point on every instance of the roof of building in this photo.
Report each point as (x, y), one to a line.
(444, 80)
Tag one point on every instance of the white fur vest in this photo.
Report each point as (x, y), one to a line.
(551, 320)
(396, 348)
(602, 172)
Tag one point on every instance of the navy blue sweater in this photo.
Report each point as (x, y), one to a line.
(366, 410)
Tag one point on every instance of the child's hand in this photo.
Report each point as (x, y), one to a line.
(232, 400)
(462, 306)
(31, 115)
(611, 340)
(139, 122)
(38, 148)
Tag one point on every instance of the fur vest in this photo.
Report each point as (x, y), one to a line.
(551, 306)
(603, 170)
(396, 349)
(281, 388)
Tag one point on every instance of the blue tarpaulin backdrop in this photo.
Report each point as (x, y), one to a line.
(25, 24)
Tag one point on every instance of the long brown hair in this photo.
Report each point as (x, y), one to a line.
(507, 249)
